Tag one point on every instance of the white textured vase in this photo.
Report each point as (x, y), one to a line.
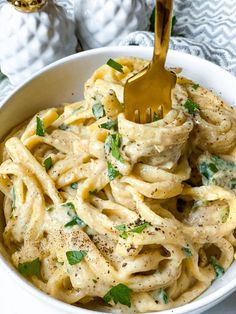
(105, 22)
(29, 41)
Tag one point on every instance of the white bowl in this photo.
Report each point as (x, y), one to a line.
(63, 82)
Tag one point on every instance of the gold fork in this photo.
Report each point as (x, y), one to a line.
(151, 89)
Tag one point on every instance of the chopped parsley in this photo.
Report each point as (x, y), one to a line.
(75, 257)
(112, 172)
(112, 144)
(69, 205)
(13, 206)
(48, 163)
(187, 251)
(233, 183)
(195, 86)
(156, 117)
(63, 127)
(124, 233)
(30, 268)
(163, 296)
(119, 294)
(110, 124)
(225, 214)
(191, 106)
(137, 229)
(74, 185)
(174, 22)
(152, 21)
(207, 169)
(49, 209)
(98, 110)
(140, 228)
(39, 127)
(219, 270)
(115, 65)
(75, 221)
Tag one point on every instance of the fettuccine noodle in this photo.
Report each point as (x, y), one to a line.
(120, 216)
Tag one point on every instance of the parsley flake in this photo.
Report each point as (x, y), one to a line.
(75, 257)
(190, 106)
(13, 206)
(163, 296)
(140, 228)
(74, 185)
(174, 22)
(69, 205)
(112, 144)
(48, 163)
(225, 214)
(195, 86)
(119, 294)
(75, 221)
(109, 125)
(207, 169)
(156, 117)
(124, 233)
(115, 65)
(39, 127)
(233, 183)
(112, 172)
(98, 110)
(219, 270)
(63, 127)
(30, 268)
(187, 251)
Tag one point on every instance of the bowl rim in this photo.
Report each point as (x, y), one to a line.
(205, 301)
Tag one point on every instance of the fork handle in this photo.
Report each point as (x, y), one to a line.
(163, 21)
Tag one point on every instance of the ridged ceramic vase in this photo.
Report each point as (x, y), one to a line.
(104, 22)
(34, 38)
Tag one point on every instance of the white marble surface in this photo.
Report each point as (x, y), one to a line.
(14, 300)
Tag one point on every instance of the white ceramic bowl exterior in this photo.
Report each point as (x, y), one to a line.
(63, 82)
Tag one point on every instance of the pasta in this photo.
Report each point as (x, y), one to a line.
(108, 214)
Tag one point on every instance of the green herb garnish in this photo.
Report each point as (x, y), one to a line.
(156, 117)
(75, 257)
(187, 251)
(13, 199)
(190, 106)
(69, 205)
(163, 296)
(30, 268)
(112, 144)
(225, 214)
(2, 76)
(233, 183)
(174, 22)
(115, 65)
(49, 209)
(98, 110)
(75, 221)
(140, 228)
(63, 127)
(74, 185)
(48, 163)
(109, 125)
(207, 169)
(122, 228)
(112, 172)
(195, 86)
(119, 294)
(94, 280)
(39, 127)
(219, 270)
